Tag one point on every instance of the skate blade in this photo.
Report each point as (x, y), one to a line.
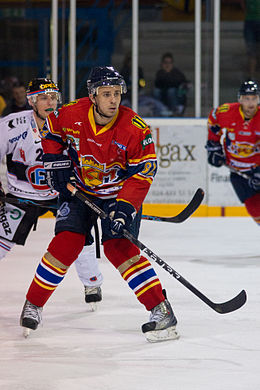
(93, 306)
(156, 336)
(26, 332)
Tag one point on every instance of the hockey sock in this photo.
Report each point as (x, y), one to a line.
(5, 247)
(253, 207)
(46, 280)
(52, 269)
(66, 246)
(136, 270)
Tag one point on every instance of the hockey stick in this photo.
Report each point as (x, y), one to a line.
(185, 213)
(234, 170)
(21, 201)
(181, 217)
(225, 307)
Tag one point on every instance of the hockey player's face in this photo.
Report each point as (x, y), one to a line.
(46, 103)
(108, 100)
(249, 104)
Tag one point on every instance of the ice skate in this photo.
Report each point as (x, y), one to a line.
(162, 324)
(92, 296)
(30, 318)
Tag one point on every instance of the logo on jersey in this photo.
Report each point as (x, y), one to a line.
(147, 141)
(22, 154)
(63, 211)
(15, 139)
(123, 147)
(66, 129)
(36, 176)
(243, 150)
(10, 124)
(95, 173)
(44, 130)
(138, 122)
(18, 121)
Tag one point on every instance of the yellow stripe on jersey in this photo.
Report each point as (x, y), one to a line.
(147, 157)
(138, 122)
(93, 123)
(137, 176)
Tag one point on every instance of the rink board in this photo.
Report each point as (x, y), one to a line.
(182, 168)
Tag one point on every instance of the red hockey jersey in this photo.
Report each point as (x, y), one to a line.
(239, 137)
(116, 160)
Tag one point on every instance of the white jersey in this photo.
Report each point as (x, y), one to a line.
(21, 144)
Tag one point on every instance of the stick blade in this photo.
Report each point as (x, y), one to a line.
(232, 305)
(191, 208)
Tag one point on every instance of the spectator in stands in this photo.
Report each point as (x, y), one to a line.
(148, 106)
(252, 35)
(171, 86)
(126, 72)
(19, 101)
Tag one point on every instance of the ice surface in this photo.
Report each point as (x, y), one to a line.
(81, 350)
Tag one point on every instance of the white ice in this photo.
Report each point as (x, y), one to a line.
(76, 349)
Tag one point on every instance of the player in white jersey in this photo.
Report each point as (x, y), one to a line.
(21, 144)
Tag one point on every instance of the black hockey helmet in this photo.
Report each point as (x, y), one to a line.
(101, 76)
(249, 87)
(42, 85)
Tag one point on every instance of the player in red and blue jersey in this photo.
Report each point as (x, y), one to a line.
(234, 141)
(110, 151)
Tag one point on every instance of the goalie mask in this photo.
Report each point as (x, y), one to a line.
(104, 76)
(40, 85)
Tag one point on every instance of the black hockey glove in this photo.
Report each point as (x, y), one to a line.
(59, 171)
(2, 195)
(121, 217)
(254, 181)
(216, 156)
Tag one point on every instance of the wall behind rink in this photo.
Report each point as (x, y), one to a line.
(183, 167)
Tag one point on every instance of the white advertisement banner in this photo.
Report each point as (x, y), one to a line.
(183, 167)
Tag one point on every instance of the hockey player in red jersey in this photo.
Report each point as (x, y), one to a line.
(234, 141)
(110, 151)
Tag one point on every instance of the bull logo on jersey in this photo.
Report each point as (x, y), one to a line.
(95, 173)
(36, 176)
(243, 150)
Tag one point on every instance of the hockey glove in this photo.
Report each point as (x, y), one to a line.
(254, 181)
(121, 217)
(59, 170)
(216, 156)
